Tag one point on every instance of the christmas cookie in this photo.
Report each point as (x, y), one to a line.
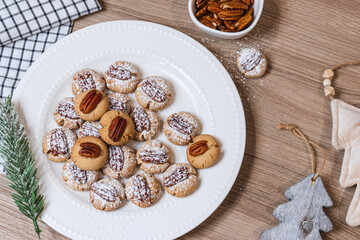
(87, 79)
(89, 129)
(180, 180)
(117, 128)
(143, 190)
(119, 102)
(107, 194)
(91, 105)
(153, 93)
(121, 163)
(251, 62)
(153, 156)
(89, 153)
(65, 114)
(77, 179)
(147, 124)
(180, 128)
(122, 77)
(58, 144)
(203, 152)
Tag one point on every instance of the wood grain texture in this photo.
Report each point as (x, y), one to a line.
(300, 38)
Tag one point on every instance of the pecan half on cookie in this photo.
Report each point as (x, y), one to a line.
(107, 194)
(87, 79)
(58, 144)
(154, 156)
(153, 93)
(180, 180)
(117, 128)
(89, 153)
(121, 162)
(147, 124)
(91, 105)
(203, 152)
(181, 127)
(143, 190)
(65, 115)
(122, 77)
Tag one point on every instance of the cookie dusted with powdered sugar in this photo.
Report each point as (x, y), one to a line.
(122, 77)
(121, 162)
(58, 144)
(143, 190)
(89, 129)
(153, 156)
(107, 194)
(87, 79)
(153, 93)
(77, 179)
(251, 62)
(147, 124)
(119, 102)
(180, 180)
(180, 128)
(65, 115)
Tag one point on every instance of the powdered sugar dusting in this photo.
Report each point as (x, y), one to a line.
(116, 158)
(66, 109)
(58, 142)
(89, 129)
(77, 174)
(140, 119)
(156, 156)
(105, 191)
(178, 175)
(140, 189)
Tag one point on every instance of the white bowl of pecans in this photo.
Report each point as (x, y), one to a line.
(226, 19)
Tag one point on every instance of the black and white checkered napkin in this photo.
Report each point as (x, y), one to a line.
(28, 28)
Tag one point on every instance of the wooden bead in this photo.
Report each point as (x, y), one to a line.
(328, 73)
(329, 91)
(327, 82)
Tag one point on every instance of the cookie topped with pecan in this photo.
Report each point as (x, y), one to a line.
(147, 124)
(91, 105)
(121, 162)
(89, 129)
(251, 62)
(118, 102)
(143, 190)
(122, 77)
(203, 151)
(58, 144)
(107, 194)
(153, 156)
(89, 153)
(117, 128)
(87, 79)
(180, 180)
(153, 93)
(77, 179)
(181, 127)
(65, 115)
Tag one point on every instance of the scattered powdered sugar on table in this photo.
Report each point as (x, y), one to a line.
(89, 129)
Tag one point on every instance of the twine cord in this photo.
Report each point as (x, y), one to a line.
(344, 64)
(310, 144)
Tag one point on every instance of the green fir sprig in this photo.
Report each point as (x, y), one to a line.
(19, 163)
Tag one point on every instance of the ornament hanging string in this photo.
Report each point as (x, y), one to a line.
(328, 75)
(310, 144)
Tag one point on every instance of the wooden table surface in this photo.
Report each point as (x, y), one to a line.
(300, 39)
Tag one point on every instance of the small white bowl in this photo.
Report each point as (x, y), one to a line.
(258, 7)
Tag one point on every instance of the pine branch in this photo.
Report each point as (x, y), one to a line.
(19, 164)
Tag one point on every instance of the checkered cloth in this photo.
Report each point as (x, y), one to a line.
(28, 28)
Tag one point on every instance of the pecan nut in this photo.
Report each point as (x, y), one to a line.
(105, 191)
(141, 189)
(154, 156)
(118, 73)
(230, 15)
(244, 21)
(90, 150)
(58, 142)
(181, 125)
(178, 175)
(117, 128)
(154, 91)
(141, 119)
(90, 101)
(234, 5)
(198, 148)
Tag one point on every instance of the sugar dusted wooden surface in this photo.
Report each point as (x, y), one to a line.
(300, 39)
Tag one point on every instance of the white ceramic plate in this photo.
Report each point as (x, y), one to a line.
(202, 86)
